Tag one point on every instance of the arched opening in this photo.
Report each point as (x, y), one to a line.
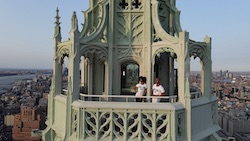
(84, 75)
(129, 77)
(165, 68)
(64, 70)
(94, 74)
(98, 71)
(195, 77)
(161, 69)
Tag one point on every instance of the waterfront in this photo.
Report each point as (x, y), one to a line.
(8, 81)
(23, 92)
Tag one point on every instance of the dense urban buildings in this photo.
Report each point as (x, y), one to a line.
(233, 92)
(233, 105)
(24, 106)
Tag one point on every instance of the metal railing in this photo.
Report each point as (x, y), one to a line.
(125, 98)
(195, 95)
(130, 98)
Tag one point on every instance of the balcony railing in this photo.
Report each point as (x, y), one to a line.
(195, 95)
(125, 98)
(130, 98)
(102, 117)
(111, 121)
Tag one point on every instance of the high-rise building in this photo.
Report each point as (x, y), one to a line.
(120, 41)
(221, 74)
(30, 120)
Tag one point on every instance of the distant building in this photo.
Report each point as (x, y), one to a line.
(1, 125)
(230, 75)
(9, 120)
(11, 109)
(221, 74)
(233, 123)
(242, 136)
(26, 122)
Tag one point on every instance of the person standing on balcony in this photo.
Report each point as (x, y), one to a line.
(157, 90)
(141, 89)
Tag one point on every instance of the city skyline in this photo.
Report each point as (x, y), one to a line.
(26, 37)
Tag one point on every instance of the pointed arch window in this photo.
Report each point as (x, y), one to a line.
(129, 77)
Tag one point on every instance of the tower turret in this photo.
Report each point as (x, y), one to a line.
(120, 41)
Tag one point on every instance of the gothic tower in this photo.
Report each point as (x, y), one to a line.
(120, 41)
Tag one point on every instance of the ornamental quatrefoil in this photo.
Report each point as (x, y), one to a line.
(123, 4)
(136, 3)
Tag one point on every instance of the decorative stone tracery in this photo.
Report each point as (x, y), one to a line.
(136, 3)
(123, 4)
(197, 49)
(129, 22)
(165, 49)
(137, 52)
(128, 125)
(101, 52)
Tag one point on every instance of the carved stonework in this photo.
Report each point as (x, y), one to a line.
(104, 36)
(94, 19)
(164, 13)
(95, 2)
(129, 22)
(127, 5)
(63, 52)
(197, 49)
(136, 4)
(163, 50)
(97, 14)
(127, 34)
(122, 5)
(91, 120)
(127, 52)
(156, 37)
(100, 53)
(180, 124)
(74, 121)
(127, 125)
(137, 29)
(122, 28)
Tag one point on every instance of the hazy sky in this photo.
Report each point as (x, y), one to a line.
(27, 27)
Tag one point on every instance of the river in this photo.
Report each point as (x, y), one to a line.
(7, 81)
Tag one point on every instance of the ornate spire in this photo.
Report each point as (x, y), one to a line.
(74, 22)
(57, 17)
(57, 24)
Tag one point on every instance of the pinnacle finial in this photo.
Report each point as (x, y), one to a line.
(57, 24)
(57, 17)
(74, 22)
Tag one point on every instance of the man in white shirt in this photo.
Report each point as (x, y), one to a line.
(141, 89)
(157, 90)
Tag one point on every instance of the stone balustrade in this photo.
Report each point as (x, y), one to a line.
(127, 121)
